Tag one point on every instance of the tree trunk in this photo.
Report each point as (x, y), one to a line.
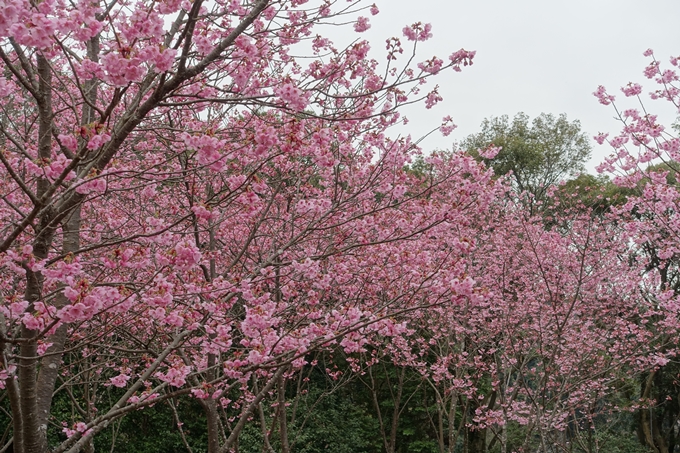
(283, 417)
(212, 416)
(30, 434)
(476, 441)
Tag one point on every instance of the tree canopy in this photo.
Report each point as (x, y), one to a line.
(537, 154)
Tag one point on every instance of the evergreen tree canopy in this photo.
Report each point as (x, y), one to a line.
(537, 154)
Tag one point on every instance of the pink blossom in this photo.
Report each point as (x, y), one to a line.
(31, 322)
(149, 191)
(82, 23)
(61, 270)
(157, 313)
(69, 141)
(95, 184)
(174, 319)
(5, 87)
(269, 13)
(18, 308)
(461, 57)
(418, 32)
(490, 152)
(78, 427)
(120, 381)
(447, 126)
(57, 167)
(89, 69)
(292, 95)
(432, 98)
(602, 96)
(256, 357)
(141, 24)
(236, 181)
(5, 374)
(33, 169)
(632, 89)
(651, 70)
(245, 47)
(668, 76)
(73, 313)
(98, 140)
(619, 141)
(202, 212)
(208, 149)
(600, 138)
(659, 360)
(362, 24)
(121, 70)
(431, 66)
(266, 139)
(200, 394)
(399, 191)
(186, 255)
(35, 31)
(43, 347)
(163, 60)
(10, 15)
(175, 376)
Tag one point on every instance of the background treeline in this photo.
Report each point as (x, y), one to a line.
(385, 408)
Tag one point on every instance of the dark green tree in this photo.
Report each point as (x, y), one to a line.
(586, 192)
(537, 154)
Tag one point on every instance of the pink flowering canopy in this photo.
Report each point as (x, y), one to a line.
(644, 162)
(188, 209)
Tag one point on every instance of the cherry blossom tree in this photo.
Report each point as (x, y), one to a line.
(644, 162)
(190, 209)
(553, 321)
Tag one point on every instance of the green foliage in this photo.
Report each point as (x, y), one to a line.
(324, 416)
(333, 418)
(516, 436)
(145, 431)
(588, 192)
(392, 386)
(155, 430)
(537, 154)
(661, 386)
(335, 425)
(618, 442)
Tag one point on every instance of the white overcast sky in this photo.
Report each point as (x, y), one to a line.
(533, 56)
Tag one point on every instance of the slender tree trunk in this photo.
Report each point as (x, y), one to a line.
(440, 421)
(211, 410)
(283, 417)
(647, 430)
(396, 411)
(212, 416)
(453, 431)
